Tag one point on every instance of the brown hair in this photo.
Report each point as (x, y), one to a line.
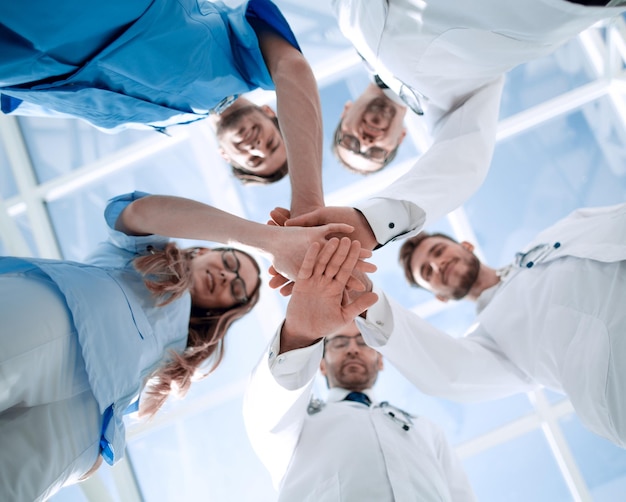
(248, 177)
(167, 275)
(334, 148)
(407, 249)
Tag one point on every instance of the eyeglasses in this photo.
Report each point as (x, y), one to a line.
(237, 286)
(353, 144)
(341, 342)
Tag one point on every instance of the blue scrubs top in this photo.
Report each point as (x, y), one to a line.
(123, 334)
(129, 63)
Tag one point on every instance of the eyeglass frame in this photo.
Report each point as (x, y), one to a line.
(339, 135)
(328, 342)
(245, 299)
(336, 142)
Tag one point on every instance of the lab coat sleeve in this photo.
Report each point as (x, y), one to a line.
(448, 173)
(463, 369)
(275, 403)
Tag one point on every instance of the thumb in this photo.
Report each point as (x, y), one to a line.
(305, 220)
(337, 228)
(361, 304)
(279, 215)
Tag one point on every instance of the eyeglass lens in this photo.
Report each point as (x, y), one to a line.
(237, 285)
(353, 144)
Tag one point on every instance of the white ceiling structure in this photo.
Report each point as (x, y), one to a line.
(561, 145)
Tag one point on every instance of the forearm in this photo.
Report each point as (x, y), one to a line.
(436, 363)
(188, 219)
(300, 118)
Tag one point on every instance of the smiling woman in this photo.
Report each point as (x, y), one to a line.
(138, 318)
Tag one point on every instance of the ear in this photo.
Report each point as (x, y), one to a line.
(402, 136)
(346, 107)
(380, 365)
(223, 154)
(268, 111)
(323, 367)
(468, 246)
(442, 298)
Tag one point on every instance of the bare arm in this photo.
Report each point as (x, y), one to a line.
(189, 219)
(300, 119)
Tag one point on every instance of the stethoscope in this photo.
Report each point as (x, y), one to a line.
(535, 255)
(397, 415)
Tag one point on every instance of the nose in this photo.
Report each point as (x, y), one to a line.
(367, 138)
(353, 346)
(227, 275)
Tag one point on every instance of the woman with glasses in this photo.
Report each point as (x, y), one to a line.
(80, 341)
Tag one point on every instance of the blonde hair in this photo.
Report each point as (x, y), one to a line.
(167, 275)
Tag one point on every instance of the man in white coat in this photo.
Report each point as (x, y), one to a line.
(449, 58)
(351, 447)
(556, 318)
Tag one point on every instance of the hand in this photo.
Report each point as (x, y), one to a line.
(279, 216)
(318, 306)
(322, 216)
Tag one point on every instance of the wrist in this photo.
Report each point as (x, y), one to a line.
(292, 339)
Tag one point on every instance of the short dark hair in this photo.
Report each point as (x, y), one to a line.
(335, 144)
(407, 249)
(248, 177)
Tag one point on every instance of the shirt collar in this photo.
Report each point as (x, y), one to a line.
(337, 394)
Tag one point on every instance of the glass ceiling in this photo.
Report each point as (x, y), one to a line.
(561, 146)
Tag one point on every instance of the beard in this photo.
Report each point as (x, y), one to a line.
(468, 279)
(381, 108)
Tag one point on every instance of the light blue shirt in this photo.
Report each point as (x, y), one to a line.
(123, 334)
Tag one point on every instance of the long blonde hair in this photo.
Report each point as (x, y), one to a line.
(167, 275)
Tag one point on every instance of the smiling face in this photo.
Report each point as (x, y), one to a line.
(215, 284)
(376, 122)
(249, 138)
(447, 268)
(348, 362)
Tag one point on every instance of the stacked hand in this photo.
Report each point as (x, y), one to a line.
(319, 306)
(356, 228)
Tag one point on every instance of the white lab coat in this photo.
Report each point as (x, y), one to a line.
(560, 324)
(345, 451)
(455, 53)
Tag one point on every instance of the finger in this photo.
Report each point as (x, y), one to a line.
(309, 263)
(279, 215)
(365, 253)
(337, 228)
(361, 304)
(272, 223)
(365, 266)
(272, 271)
(287, 289)
(355, 284)
(347, 265)
(326, 254)
(277, 281)
(305, 220)
(339, 257)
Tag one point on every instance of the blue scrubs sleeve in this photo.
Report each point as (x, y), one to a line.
(264, 15)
